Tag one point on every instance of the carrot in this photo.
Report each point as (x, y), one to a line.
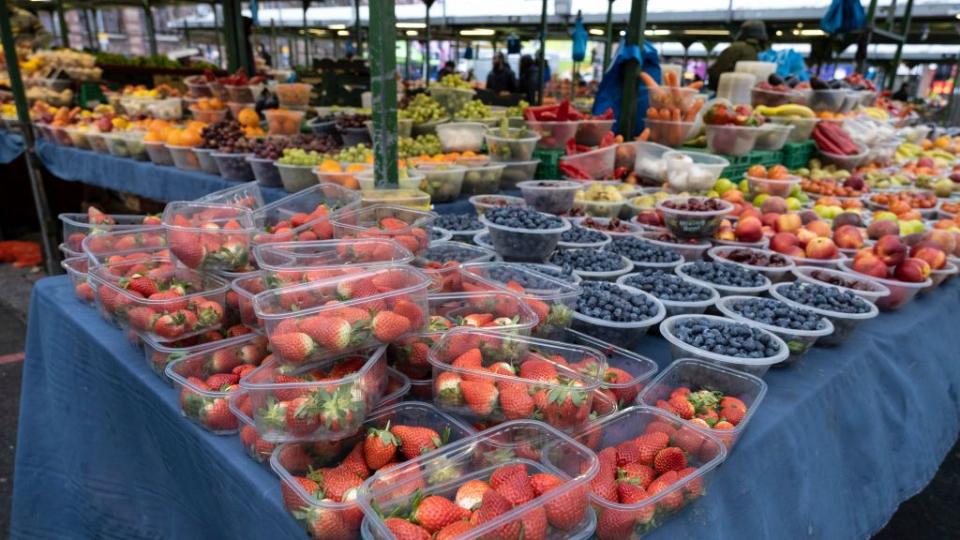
(648, 80)
(677, 126)
(692, 112)
(644, 135)
(696, 85)
(665, 114)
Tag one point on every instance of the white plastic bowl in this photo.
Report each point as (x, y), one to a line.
(798, 341)
(843, 323)
(725, 290)
(877, 290)
(753, 366)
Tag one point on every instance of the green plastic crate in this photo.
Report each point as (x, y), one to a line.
(549, 167)
(739, 164)
(797, 155)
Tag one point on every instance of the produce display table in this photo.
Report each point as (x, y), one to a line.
(840, 440)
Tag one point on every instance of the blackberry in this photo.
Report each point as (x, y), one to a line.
(458, 222)
(669, 287)
(610, 302)
(640, 251)
(522, 218)
(724, 274)
(824, 297)
(589, 260)
(727, 338)
(776, 313)
(579, 235)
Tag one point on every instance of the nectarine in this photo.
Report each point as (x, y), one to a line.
(822, 248)
(788, 223)
(848, 237)
(890, 249)
(749, 229)
(819, 227)
(882, 228)
(782, 242)
(934, 256)
(912, 270)
(866, 262)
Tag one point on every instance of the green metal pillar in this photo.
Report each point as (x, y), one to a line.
(406, 61)
(64, 29)
(216, 34)
(356, 28)
(608, 34)
(306, 36)
(151, 28)
(426, 55)
(186, 33)
(907, 18)
(236, 37)
(542, 59)
(383, 79)
(628, 106)
(33, 165)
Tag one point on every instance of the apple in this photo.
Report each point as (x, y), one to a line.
(788, 223)
(926, 161)
(773, 205)
(782, 242)
(912, 270)
(819, 227)
(749, 229)
(821, 248)
(794, 204)
(866, 262)
(769, 220)
(749, 211)
(934, 256)
(848, 237)
(806, 216)
(911, 226)
(890, 249)
(805, 236)
(795, 251)
(733, 196)
(881, 228)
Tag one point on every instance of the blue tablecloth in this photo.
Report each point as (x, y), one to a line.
(11, 146)
(840, 440)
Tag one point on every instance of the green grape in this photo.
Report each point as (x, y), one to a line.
(453, 81)
(517, 110)
(474, 110)
(423, 108)
(354, 154)
(297, 156)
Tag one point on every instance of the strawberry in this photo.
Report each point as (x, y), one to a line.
(346, 367)
(292, 500)
(209, 313)
(331, 333)
(493, 506)
(507, 472)
(470, 494)
(567, 405)
(356, 462)
(295, 347)
(434, 512)
(388, 326)
(327, 524)
(689, 440)
(534, 522)
(438, 323)
(661, 426)
(171, 325)
(681, 391)
(218, 381)
(454, 530)
(723, 425)
(502, 368)
(447, 389)
(356, 288)
(390, 280)
(141, 284)
(392, 224)
(411, 311)
(732, 412)
(515, 401)
(96, 217)
(224, 360)
(480, 396)
(604, 484)
(294, 458)
(650, 444)
(614, 524)
(636, 473)
(538, 369)
(171, 301)
(338, 482)
(187, 247)
(625, 392)
(682, 407)
(515, 488)
(84, 292)
(379, 447)
(567, 510)
(672, 501)
(415, 441)
(142, 318)
(216, 416)
(302, 417)
(470, 360)
(404, 530)
(476, 320)
(693, 488)
(628, 493)
(459, 343)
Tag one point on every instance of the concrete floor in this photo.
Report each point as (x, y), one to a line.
(929, 515)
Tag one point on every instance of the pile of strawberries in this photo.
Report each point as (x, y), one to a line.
(158, 360)
(478, 502)
(323, 479)
(708, 409)
(208, 236)
(101, 223)
(300, 226)
(414, 238)
(346, 257)
(639, 469)
(553, 317)
(618, 384)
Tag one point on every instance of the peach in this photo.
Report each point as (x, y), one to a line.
(788, 223)
(848, 218)
(933, 255)
(733, 195)
(774, 205)
(912, 270)
(795, 251)
(822, 248)
(781, 242)
(883, 227)
(890, 249)
(819, 227)
(805, 236)
(750, 212)
(725, 233)
(848, 237)
(943, 239)
(749, 229)
(910, 215)
(866, 262)
(769, 220)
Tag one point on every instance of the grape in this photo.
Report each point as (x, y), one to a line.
(517, 110)
(273, 147)
(225, 136)
(345, 121)
(422, 145)
(354, 154)
(474, 110)
(298, 156)
(423, 108)
(453, 81)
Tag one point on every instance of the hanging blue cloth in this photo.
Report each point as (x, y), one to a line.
(610, 92)
(579, 40)
(843, 17)
(789, 63)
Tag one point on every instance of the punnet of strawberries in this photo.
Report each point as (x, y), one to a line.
(209, 237)
(304, 215)
(490, 377)
(158, 355)
(320, 481)
(77, 227)
(119, 244)
(408, 227)
(158, 298)
(288, 263)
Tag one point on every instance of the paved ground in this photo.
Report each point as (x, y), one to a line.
(929, 515)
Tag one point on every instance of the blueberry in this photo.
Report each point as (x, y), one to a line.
(641, 251)
(523, 276)
(610, 302)
(726, 337)
(724, 274)
(564, 273)
(522, 218)
(776, 313)
(668, 286)
(445, 252)
(436, 234)
(824, 297)
(458, 222)
(589, 260)
(515, 245)
(579, 235)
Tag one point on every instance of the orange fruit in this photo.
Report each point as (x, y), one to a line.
(248, 117)
(757, 171)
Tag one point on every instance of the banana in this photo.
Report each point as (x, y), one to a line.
(789, 109)
(876, 113)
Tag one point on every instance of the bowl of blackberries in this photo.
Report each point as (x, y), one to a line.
(523, 234)
(727, 278)
(593, 264)
(353, 129)
(550, 196)
(798, 327)
(616, 313)
(723, 341)
(692, 249)
(615, 227)
(679, 296)
(579, 238)
(865, 288)
(462, 227)
(645, 254)
(769, 263)
(693, 217)
(844, 309)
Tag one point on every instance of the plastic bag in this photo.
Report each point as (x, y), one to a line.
(579, 41)
(789, 63)
(843, 17)
(610, 92)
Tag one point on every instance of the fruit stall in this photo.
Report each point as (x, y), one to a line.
(440, 318)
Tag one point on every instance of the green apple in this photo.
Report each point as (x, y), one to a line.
(794, 204)
(795, 191)
(744, 186)
(822, 210)
(885, 215)
(911, 226)
(713, 193)
(804, 198)
(758, 200)
(722, 186)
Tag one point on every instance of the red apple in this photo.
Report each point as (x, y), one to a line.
(795, 251)
(749, 229)
(788, 223)
(822, 248)
(750, 212)
(890, 249)
(943, 239)
(774, 205)
(848, 237)
(867, 262)
(912, 270)
(782, 242)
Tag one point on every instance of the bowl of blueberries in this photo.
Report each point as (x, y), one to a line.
(844, 309)
(691, 248)
(616, 313)
(523, 234)
(442, 235)
(727, 278)
(577, 237)
(865, 288)
(593, 264)
(737, 345)
(644, 254)
(462, 227)
(550, 196)
(800, 328)
(769, 263)
(679, 296)
(693, 217)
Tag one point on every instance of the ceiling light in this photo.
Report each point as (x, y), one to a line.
(411, 25)
(707, 32)
(779, 32)
(656, 32)
(596, 32)
(337, 26)
(412, 33)
(814, 32)
(478, 32)
(343, 32)
(623, 32)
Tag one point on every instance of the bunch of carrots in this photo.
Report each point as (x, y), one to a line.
(670, 103)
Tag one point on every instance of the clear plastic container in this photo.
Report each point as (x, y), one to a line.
(166, 109)
(691, 224)
(296, 177)
(77, 227)
(517, 146)
(901, 292)
(639, 368)
(648, 162)
(209, 116)
(327, 410)
(283, 122)
(536, 446)
(938, 277)
(76, 268)
(732, 140)
(692, 171)
(524, 244)
(698, 375)
(243, 290)
(550, 196)
(843, 161)
(157, 355)
(753, 366)
(184, 158)
(244, 94)
(775, 98)
(129, 309)
(97, 142)
(234, 166)
(591, 132)
(198, 87)
(798, 341)
(411, 198)
(265, 171)
(773, 136)
(207, 163)
(725, 290)
(602, 224)
(829, 100)
(60, 135)
(441, 182)
(116, 144)
(427, 128)
(676, 307)
(293, 95)
(78, 137)
(483, 180)
(158, 153)
(482, 203)
(357, 180)
(775, 274)
(802, 127)
(670, 133)
(443, 261)
(600, 209)
(209, 236)
(843, 323)
(245, 195)
(298, 313)
(208, 407)
(823, 263)
(451, 99)
(691, 251)
(779, 188)
(606, 276)
(704, 453)
(598, 163)
(353, 136)
(622, 334)
(871, 291)
(554, 135)
(599, 244)
(461, 136)
(125, 244)
(323, 126)
(367, 222)
(516, 172)
(305, 215)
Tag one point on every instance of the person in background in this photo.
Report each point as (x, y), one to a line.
(449, 68)
(750, 41)
(529, 82)
(903, 93)
(28, 31)
(501, 79)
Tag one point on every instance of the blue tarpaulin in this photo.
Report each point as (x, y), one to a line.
(610, 92)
